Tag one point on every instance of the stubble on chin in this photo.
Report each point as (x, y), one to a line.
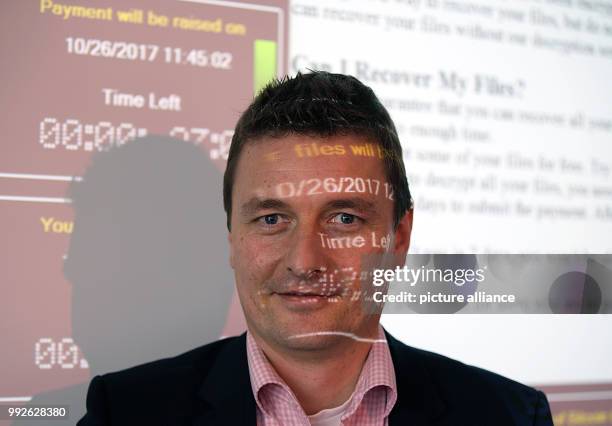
(308, 333)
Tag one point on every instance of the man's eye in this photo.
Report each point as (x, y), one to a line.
(344, 218)
(270, 219)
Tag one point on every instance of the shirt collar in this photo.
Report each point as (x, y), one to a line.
(263, 374)
(377, 373)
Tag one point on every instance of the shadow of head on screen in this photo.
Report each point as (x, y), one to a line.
(148, 254)
(148, 259)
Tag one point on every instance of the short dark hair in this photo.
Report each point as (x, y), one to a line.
(320, 104)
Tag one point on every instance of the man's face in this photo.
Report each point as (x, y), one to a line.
(306, 213)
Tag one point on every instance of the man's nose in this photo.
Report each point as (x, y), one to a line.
(305, 254)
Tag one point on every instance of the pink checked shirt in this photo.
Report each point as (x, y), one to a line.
(374, 396)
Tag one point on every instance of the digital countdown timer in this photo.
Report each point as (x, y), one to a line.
(64, 354)
(73, 135)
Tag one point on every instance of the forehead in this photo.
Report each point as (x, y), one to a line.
(269, 161)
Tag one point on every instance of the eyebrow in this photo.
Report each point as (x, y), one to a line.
(355, 203)
(257, 204)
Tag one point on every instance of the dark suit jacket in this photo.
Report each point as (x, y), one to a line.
(210, 385)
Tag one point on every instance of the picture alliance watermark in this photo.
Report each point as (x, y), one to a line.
(493, 283)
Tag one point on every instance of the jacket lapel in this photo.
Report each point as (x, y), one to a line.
(226, 390)
(418, 402)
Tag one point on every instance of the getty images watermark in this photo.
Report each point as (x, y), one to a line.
(493, 283)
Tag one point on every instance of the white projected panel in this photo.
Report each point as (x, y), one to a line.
(505, 115)
(503, 109)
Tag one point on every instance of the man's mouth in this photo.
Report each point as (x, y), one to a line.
(300, 298)
(304, 294)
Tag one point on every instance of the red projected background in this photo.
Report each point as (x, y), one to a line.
(82, 80)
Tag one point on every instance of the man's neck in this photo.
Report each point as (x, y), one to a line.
(322, 379)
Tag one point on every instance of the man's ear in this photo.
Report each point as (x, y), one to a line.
(231, 249)
(402, 234)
